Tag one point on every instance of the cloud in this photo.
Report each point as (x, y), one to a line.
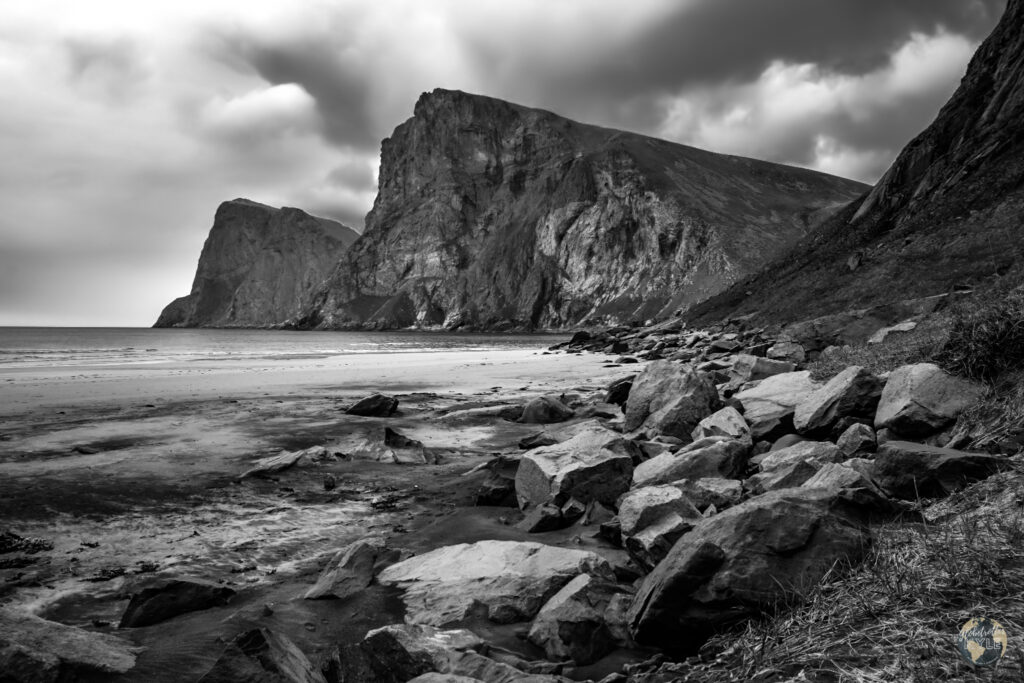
(280, 111)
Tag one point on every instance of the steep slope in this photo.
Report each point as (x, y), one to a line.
(498, 216)
(259, 267)
(947, 213)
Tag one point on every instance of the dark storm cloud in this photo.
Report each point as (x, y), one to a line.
(355, 173)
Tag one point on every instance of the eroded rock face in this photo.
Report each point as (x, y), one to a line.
(491, 214)
(260, 267)
(511, 580)
(739, 562)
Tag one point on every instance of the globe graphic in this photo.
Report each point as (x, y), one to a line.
(982, 641)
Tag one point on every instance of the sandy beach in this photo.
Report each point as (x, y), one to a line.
(132, 472)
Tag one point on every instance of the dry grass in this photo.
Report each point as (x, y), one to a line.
(895, 616)
(917, 346)
(996, 423)
(986, 337)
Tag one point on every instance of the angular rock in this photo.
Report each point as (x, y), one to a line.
(858, 439)
(669, 398)
(819, 452)
(498, 491)
(770, 405)
(908, 471)
(707, 491)
(919, 400)
(168, 599)
(286, 459)
(545, 410)
(511, 580)
(787, 441)
(848, 480)
(541, 518)
(740, 562)
(618, 391)
(643, 506)
(374, 405)
(726, 422)
(573, 624)
(784, 476)
(595, 465)
(265, 656)
(854, 392)
(724, 458)
(36, 650)
(348, 572)
(747, 368)
(787, 351)
(882, 334)
(651, 544)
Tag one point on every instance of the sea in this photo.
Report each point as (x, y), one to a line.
(35, 347)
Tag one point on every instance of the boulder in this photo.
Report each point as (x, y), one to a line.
(726, 422)
(618, 391)
(39, 651)
(511, 580)
(545, 410)
(741, 562)
(881, 335)
(787, 441)
(784, 476)
(769, 406)
(348, 572)
(710, 457)
(593, 465)
(374, 405)
(747, 368)
(286, 459)
(785, 350)
(167, 599)
(818, 452)
(707, 491)
(649, 545)
(909, 471)
(854, 392)
(643, 506)
(573, 624)
(265, 656)
(669, 398)
(541, 518)
(919, 400)
(848, 480)
(857, 440)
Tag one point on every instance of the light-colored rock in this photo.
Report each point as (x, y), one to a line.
(784, 476)
(669, 398)
(788, 351)
(36, 650)
(850, 480)
(921, 399)
(593, 465)
(735, 564)
(726, 422)
(651, 544)
(573, 624)
(643, 506)
(511, 580)
(858, 439)
(706, 491)
(854, 392)
(911, 470)
(748, 368)
(713, 458)
(882, 334)
(815, 451)
(773, 401)
(286, 459)
(348, 572)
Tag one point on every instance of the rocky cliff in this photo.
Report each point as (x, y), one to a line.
(494, 215)
(946, 213)
(259, 267)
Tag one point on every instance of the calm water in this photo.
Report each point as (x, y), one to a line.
(90, 346)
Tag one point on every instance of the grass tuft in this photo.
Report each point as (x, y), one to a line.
(986, 336)
(900, 348)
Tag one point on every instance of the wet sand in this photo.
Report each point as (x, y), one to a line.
(133, 472)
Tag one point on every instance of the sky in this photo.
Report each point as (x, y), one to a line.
(124, 124)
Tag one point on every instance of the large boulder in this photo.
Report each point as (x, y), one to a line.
(398, 653)
(818, 452)
(574, 623)
(741, 562)
(34, 650)
(511, 580)
(651, 519)
(374, 405)
(596, 464)
(768, 407)
(704, 492)
(726, 422)
(669, 399)
(618, 391)
(919, 400)
(784, 476)
(709, 457)
(348, 572)
(911, 470)
(545, 410)
(169, 598)
(854, 392)
(264, 656)
(848, 480)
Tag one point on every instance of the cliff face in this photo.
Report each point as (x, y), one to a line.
(495, 215)
(259, 267)
(946, 213)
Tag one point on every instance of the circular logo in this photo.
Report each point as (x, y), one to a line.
(982, 641)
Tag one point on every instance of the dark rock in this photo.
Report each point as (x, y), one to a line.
(263, 656)
(541, 518)
(618, 391)
(919, 400)
(375, 405)
(537, 440)
(573, 624)
(768, 408)
(545, 410)
(854, 392)
(395, 439)
(857, 440)
(705, 492)
(169, 599)
(498, 491)
(911, 470)
(783, 476)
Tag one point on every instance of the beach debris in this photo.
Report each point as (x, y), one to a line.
(262, 655)
(34, 649)
(11, 542)
(374, 405)
(348, 572)
(167, 599)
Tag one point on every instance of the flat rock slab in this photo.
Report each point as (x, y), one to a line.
(512, 580)
(772, 402)
(34, 649)
(910, 470)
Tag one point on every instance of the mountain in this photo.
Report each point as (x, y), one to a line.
(947, 213)
(259, 267)
(494, 215)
